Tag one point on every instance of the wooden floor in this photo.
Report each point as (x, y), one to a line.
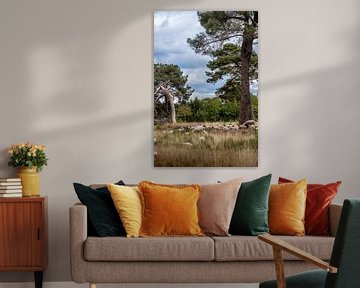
(74, 285)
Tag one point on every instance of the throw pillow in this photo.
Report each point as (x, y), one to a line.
(216, 206)
(127, 201)
(169, 210)
(319, 197)
(250, 215)
(287, 204)
(102, 214)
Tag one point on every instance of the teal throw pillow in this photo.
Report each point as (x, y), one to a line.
(250, 216)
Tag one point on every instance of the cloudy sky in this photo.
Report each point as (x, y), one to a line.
(171, 30)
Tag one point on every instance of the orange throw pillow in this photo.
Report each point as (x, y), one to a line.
(318, 200)
(169, 210)
(287, 204)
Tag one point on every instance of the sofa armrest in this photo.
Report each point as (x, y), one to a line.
(78, 235)
(334, 216)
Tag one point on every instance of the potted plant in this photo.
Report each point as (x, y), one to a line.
(30, 158)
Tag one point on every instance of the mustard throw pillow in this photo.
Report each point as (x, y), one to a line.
(287, 204)
(127, 201)
(169, 210)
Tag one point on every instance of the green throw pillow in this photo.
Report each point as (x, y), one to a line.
(250, 215)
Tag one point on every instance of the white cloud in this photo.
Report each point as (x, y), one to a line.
(254, 87)
(171, 31)
(201, 95)
(195, 74)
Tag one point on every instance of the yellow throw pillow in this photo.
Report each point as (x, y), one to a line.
(127, 201)
(287, 204)
(169, 210)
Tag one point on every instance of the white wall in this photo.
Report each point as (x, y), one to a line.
(77, 76)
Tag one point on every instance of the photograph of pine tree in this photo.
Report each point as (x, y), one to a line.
(205, 88)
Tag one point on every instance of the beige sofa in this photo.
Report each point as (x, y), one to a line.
(234, 259)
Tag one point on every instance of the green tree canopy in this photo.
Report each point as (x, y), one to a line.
(228, 39)
(225, 65)
(208, 110)
(170, 86)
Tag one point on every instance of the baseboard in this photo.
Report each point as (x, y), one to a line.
(74, 285)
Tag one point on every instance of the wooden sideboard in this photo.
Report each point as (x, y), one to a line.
(23, 235)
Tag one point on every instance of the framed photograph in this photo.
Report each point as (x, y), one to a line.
(205, 88)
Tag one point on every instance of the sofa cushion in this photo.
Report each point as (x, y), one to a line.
(149, 249)
(287, 204)
(127, 201)
(216, 205)
(318, 199)
(250, 215)
(244, 248)
(102, 216)
(169, 210)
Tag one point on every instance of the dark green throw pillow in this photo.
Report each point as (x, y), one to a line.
(250, 216)
(103, 218)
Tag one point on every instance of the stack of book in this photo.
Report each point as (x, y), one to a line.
(10, 187)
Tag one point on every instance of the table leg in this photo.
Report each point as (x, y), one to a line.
(38, 279)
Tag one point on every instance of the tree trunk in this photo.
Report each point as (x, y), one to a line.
(171, 105)
(245, 55)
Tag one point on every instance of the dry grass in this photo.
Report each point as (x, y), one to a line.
(213, 148)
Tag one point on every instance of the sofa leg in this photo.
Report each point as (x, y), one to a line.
(92, 285)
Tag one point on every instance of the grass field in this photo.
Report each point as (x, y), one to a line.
(186, 146)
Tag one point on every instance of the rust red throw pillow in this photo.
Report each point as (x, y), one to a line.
(319, 197)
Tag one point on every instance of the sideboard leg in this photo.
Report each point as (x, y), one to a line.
(92, 285)
(38, 279)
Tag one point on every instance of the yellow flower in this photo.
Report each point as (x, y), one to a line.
(41, 147)
(28, 154)
(11, 151)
